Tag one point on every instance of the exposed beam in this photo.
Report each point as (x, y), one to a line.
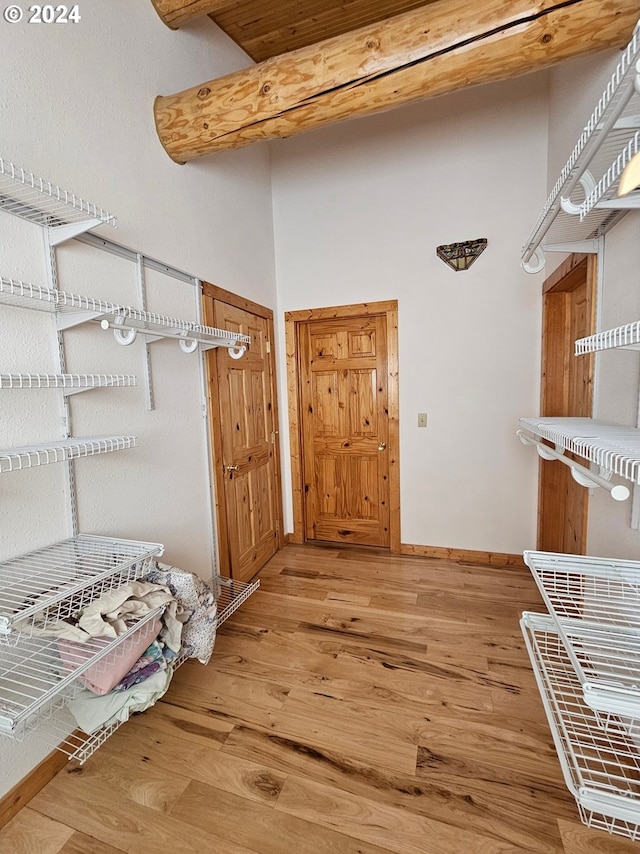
(440, 48)
(176, 12)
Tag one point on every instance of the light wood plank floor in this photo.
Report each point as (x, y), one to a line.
(357, 704)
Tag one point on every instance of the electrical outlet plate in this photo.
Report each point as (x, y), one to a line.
(422, 419)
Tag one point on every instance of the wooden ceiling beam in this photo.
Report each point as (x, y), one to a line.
(440, 48)
(176, 12)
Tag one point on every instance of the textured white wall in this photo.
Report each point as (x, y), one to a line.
(77, 109)
(358, 210)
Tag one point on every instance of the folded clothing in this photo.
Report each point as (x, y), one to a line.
(106, 673)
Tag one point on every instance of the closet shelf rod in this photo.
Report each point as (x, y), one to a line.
(581, 474)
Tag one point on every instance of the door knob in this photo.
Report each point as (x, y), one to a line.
(382, 446)
(232, 468)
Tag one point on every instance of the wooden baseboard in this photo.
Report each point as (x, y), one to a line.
(29, 787)
(464, 555)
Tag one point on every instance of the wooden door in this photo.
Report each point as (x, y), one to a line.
(241, 393)
(345, 429)
(566, 391)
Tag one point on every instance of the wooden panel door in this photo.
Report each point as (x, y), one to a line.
(244, 446)
(345, 429)
(566, 391)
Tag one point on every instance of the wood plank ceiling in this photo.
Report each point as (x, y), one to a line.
(266, 28)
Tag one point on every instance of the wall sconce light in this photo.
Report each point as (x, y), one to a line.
(460, 256)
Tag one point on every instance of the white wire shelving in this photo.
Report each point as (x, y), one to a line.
(625, 337)
(614, 448)
(601, 766)
(62, 450)
(68, 383)
(595, 606)
(73, 310)
(612, 124)
(604, 194)
(53, 583)
(38, 674)
(60, 731)
(232, 594)
(29, 197)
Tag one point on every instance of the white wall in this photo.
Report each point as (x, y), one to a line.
(580, 84)
(77, 109)
(358, 211)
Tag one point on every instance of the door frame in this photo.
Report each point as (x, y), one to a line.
(292, 319)
(565, 279)
(215, 430)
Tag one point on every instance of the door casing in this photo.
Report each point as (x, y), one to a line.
(566, 390)
(292, 320)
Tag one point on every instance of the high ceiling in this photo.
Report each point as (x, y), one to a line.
(265, 28)
(324, 61)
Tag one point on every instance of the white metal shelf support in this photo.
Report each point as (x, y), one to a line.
(141, 287)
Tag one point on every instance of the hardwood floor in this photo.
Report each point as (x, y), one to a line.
(357, 704)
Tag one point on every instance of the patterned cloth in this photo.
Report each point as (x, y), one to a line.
(151, 661)
(197, 608)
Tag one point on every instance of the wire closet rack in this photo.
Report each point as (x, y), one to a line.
(625, 337)
(40, 674)
(582, 204)
(614, 448)
(68, 383)
(55, 582)
(74, 309)
(600, 765)
(62, 450)
(29, 197)
(595, 605)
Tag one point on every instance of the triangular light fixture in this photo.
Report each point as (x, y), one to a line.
(460, 256)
